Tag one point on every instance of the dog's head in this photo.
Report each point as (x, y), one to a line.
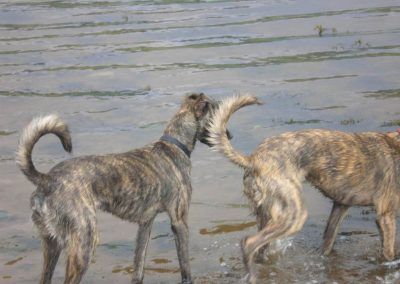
(394, 139)
(203, 108)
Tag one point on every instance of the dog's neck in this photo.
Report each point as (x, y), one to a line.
(177, 143)
(183, 128)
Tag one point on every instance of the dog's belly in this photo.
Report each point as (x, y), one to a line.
(129, 212)
(352, 196)
(135, 204)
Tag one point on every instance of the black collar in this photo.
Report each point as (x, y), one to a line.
(176, 142)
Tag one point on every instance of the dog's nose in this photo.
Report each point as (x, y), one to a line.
(228, 133)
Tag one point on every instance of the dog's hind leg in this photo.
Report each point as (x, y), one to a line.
(179, 226)
(288, 216)
(51, 253)
(332, 227)
(142, 241)
(80, 247)
(387, 228)
(262, 219)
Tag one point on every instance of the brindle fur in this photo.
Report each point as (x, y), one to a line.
(352, 169)
(135, 186)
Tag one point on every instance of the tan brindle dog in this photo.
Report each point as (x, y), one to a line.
(352, 169)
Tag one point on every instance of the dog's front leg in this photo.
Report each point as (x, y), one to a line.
(332, 227)
(387, 228)
(181, 232)
(142, 240)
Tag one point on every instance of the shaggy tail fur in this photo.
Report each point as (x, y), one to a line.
(217, 128)
(31, 134)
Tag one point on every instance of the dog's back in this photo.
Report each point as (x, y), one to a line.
(125, 184)
(350, 168)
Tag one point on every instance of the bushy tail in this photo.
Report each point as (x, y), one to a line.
(217, 129)
(31, 134)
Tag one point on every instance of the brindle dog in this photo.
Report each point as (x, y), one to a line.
(352, 169)
(135, 186)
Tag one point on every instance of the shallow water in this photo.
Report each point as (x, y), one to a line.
(117, 70)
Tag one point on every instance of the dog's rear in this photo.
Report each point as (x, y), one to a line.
(280, 214)
(41, 215)
(37, 128)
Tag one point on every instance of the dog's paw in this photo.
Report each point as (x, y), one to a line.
(394, 263)
(137, 281)
(249, 279)
(261, 258)
(244, 279)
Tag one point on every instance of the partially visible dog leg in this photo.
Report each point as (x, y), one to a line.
(81, 244)
(51, 253)
(142, 241)
(272, 232)
(288, 216)
(251, 244)
(262, 220)
(387, 228)
(332, 227)
(180, 229)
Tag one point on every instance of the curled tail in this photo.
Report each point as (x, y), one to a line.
(31, 134)
(217, 129)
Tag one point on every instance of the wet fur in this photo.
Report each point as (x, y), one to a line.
(352, 169)
(135, 186)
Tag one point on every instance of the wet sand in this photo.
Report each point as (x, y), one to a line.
(116, 72)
